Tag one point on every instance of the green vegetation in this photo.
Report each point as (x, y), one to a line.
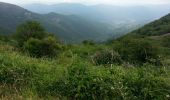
(105, 57)
(165, 41)
(71, 77)
(32, 38)
(35, 65)
(29, 29)
(138, 50)
(158, 27)
(48, 47)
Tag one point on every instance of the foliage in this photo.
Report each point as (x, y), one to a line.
(4, 38)
(79, 79)
(115, 83)
(15, 73)
(166, 41)
(29, 29)
(88, 42)
(105, 57)
(158, 27)
(33, 39)
(72, 76)
(80, 84)
(136, 51)
(47, 47)
(145, 83)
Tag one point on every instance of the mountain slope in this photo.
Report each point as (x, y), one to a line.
(158, 27)
(11, 15)
(68, 28)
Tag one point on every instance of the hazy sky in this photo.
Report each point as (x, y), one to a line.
(91, 2)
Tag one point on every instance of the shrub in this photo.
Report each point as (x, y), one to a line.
(29, 29)
(15, 73)
(33, 39)
(137, 51)
(47, 47)
(88, 42)
(4, 38)
(166, 41)
(106, 57)
(146, 84)
(79, 84)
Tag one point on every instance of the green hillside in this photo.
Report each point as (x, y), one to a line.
(158, 27)
(157, 33)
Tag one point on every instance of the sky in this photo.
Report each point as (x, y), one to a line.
(91, 2)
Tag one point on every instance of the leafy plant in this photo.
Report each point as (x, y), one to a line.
(136, 51)
(29, 29)
(16, 74)
(106, 57)
(47, 47)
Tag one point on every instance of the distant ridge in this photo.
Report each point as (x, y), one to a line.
(69, 28)
(156, 28)
(105, 13)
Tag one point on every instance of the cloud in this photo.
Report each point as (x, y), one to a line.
(91, 2)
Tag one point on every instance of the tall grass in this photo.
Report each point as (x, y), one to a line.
(72, 76)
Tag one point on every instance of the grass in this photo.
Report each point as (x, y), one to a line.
(23, 77)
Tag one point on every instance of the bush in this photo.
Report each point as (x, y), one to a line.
(106, 57)
(79, 84)
(15, 73)
(115, 83)
(166, 41)
(4, 38)
(137, 51)
(147, 84)
(29, 29)
(88, 42)
(33, 39)
(47, 47)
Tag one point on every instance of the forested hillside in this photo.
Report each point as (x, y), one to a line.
(158, 27)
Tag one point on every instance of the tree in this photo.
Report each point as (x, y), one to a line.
(29, 29)
(32, 38)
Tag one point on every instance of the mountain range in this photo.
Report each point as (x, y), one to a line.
(77, 22)
(69, 28)
(122, 19)
(105, 13)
